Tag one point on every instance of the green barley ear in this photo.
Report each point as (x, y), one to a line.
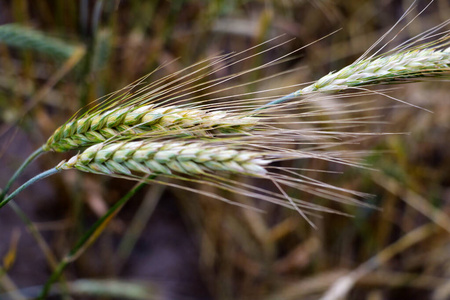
(143, 120)
(210, 162)
(26, 38)
(430, 60)
(186, 158)
(167, 157)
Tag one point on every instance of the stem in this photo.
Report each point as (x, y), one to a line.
(19, 171)
(282, 99)
(134, 230)
(276, 101)
(89, 237)
(27, 184)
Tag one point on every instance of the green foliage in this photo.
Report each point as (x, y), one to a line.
(22, 37)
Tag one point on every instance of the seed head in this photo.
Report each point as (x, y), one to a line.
(146, 120)
(167, 157)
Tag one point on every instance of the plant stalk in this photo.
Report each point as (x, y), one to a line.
(27, 184)
(89, 237)
(19, 171)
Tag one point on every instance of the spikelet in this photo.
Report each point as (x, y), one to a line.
(126, 122)
(168, 157)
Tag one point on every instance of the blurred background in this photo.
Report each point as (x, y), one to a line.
(167, 244)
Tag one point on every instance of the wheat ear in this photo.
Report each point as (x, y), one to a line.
(125, 122)
(189, 158)
(400, 66)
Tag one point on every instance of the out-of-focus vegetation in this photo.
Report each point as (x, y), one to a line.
(59, 56)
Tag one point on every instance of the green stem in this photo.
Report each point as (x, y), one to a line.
(135, 228)
(27, 184)
(278, 101)
(19, 171)
(89, 237)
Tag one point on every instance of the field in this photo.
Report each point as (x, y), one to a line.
(59, 57)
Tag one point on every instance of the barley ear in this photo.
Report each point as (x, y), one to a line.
(412, 65)
(145, 121)
(168, 157)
